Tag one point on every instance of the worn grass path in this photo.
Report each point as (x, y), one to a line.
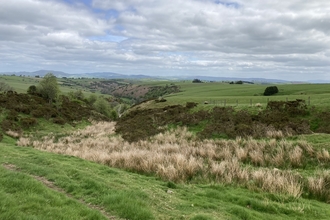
(41, 185)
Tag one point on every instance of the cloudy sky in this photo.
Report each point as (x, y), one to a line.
(243, 38)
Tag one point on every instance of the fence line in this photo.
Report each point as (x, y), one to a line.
(235, 102)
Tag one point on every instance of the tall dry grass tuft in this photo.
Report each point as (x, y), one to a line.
(13, 134)
(229, 171)
(257, 157)
(241, 154)
(319, 186)
(307, 147)
(276, 181)
(323, 155)
(296, 156)
(278, 159)
(24, 141)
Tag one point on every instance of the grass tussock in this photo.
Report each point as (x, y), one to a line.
(178, 156)
(13, 134)
(319, 186)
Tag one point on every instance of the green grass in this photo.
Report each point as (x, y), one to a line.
(21, 84)
(127, 195)
(243, 96)
(216, 93)
(132, 196)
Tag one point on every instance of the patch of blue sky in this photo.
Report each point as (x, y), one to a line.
(85, 2)
(111, 13)
(227, 4)
(119, 28)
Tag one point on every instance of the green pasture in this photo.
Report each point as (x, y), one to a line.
(215, 93)
(224, 94)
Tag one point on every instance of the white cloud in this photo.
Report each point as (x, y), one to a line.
(287, 39)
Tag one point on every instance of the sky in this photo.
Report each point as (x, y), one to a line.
(287, 40)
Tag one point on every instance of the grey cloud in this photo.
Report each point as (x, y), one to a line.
(178, 36)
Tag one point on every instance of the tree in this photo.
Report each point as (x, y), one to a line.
(197, 81)
(271, 90)
(49, 88)
(32, 90)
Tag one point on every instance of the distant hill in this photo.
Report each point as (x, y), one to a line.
(111, 75)
(105, 75)
(215, 78)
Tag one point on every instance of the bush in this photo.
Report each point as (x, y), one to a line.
(103, 106)
(7, 125)
(271, 90)
(32, 90)
(190, 105)
(59, 121)
(197, 81)
(28, 122)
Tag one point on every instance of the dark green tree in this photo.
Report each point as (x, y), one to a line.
(271, 90)
(32, 90)
(48, 87)
(197, 81)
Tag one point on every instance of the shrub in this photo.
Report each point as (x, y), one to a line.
(197, 81)
(190, 105)
(32, 90)
(59, 121)
(271, 90)
(28, 122)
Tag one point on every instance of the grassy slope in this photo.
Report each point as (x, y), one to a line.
(21, 84)
(215, 92)
(200, 92)
(134, 196)
(127, 195)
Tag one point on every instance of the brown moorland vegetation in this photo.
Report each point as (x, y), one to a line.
(278, 119)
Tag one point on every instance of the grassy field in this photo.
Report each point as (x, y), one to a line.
(231, 95)
(215, 93)
(59, 172)
(21, 84)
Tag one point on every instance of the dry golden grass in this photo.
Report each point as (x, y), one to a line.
(295, 156)
(276, 181)
(323, 155)
(319, 186)
(177, 156)
(13, 134)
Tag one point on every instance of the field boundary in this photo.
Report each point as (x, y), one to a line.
(235, 102)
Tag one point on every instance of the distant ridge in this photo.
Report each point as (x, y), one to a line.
(112, 75)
